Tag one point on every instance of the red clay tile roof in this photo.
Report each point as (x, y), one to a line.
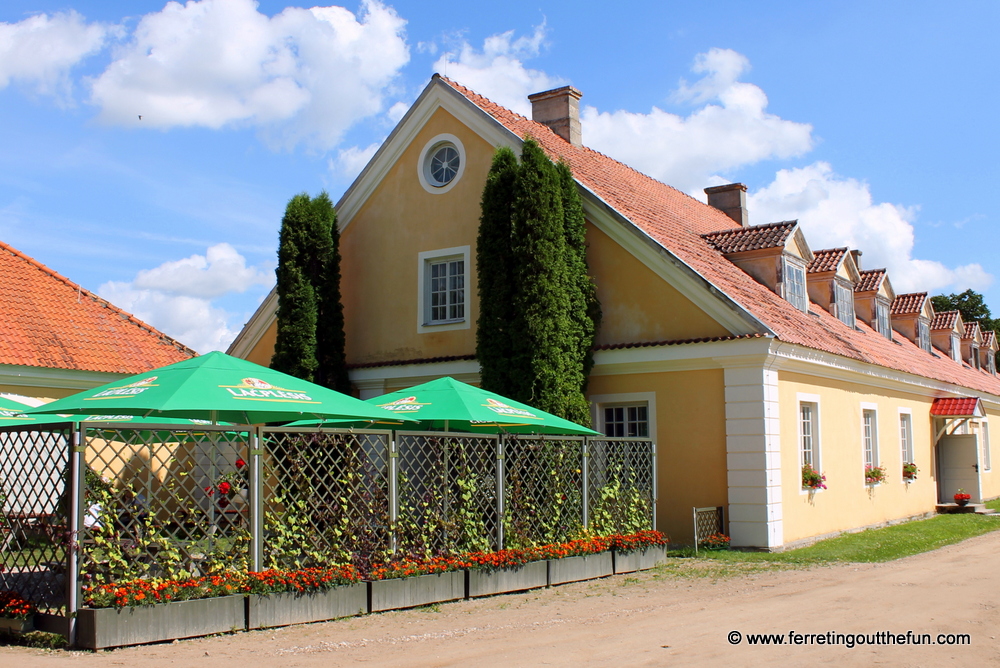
(989, 337)
(908, 304)
(871, 279)
(961, 406)
(48, 321)
(757, 237)
(944, 320)
(676, 221)
(971, 329)
(826, 260)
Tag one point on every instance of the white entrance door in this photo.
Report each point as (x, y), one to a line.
(958, 463)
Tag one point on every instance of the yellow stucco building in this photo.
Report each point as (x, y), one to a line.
(741, 351)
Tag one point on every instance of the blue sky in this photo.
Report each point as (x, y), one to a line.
(872, 123)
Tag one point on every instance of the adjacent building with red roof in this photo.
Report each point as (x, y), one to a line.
(744, 353)
(57, 338)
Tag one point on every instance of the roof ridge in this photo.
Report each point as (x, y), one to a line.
(24, 257)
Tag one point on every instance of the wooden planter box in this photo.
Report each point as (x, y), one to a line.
(575, 569)
(288, 608)
(529, 576)
(8, 625)
(640, 560)
(97, 628)
(400, 593)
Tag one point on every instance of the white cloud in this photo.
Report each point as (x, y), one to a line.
(497, 70)
(731, 129)
(838, 211)
(351, 160)
(220, 271)
(176, 297)
(41, 50)
(304, 75)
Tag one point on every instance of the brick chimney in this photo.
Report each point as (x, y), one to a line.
(731, 200)
(559, 109)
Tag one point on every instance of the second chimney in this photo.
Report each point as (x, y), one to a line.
(559, 109)
(731, 200)
(856, 254)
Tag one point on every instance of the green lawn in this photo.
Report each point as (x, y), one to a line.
(873, 545)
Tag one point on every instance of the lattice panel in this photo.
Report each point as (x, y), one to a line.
(447, 501)
(707, 521)
(325, 498)
(621, 491)
(163, 503)
(543, 493)
(34, 507)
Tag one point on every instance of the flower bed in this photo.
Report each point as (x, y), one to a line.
(639, 551)
(16, 613)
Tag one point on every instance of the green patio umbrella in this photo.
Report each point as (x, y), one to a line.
(448, 404)
(215, 387)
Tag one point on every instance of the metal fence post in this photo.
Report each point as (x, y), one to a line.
(500, 490)
(586, 484)
(77, 446)
(393, 494)
(655, 488)
(256, 501)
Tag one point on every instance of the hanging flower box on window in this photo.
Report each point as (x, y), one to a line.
(812, 479)
(910, 472)
(875, 475)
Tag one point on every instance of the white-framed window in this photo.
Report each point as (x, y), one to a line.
(627, 415)
(441, 164)
(924, 334)
(987, 457)
(844, 296)
(906, 437)
(956, 348)
(869, 434)
(795, 286)
(808, 434)
(443, 297)
(882, 319)
(974, 357)
(991, 362)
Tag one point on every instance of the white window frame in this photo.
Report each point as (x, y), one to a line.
(811, 400)
(991, 362)
(974, 356)
(956, 347)
(924, 334)
(598, 402)
(905, 439)
(882, 318)
(797, 298)
(843, 296)
(869, 437)
(424, 262)
(423, 163)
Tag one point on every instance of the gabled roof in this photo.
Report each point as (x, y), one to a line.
(971, 330)
(826, 260)
(871, 280)
(757, 237)
(989, 338)
(945, 320)
(956, 407)
(908, 304)
(676, 221)
(48, 321)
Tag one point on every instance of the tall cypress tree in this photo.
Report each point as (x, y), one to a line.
(295, 347)
(331, 370)
(310, 342)
(494, 267)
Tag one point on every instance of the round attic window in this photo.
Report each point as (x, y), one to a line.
(442, 163)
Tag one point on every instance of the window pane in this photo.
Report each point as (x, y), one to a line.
(626, 421)
(806, 434)
(869, 438)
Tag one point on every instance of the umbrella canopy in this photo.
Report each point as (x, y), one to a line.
(216, 387)
(448, 404)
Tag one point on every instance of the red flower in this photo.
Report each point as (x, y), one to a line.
(224, 487)
(210, 491)
(240, 463)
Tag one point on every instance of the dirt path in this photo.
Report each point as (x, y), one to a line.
(650, 619)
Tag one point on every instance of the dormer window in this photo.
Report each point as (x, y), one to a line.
(991, 364)
(795, 285)
(882, 319)
(924, 335)
(974, 357)
(845, 304)
(956, 348)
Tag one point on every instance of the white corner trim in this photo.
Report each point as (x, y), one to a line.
(254, 329)
(431, 145)
(423, 260)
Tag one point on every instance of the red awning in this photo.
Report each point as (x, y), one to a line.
(960, 407)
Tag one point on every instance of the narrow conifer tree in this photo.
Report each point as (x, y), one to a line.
(494, 268)
(310, 340)
(295, 347)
